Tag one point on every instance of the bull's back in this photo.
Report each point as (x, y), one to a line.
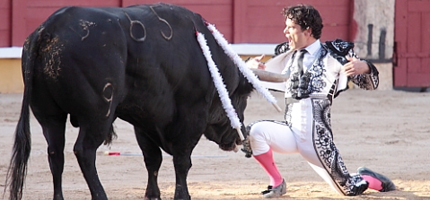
(80, 60)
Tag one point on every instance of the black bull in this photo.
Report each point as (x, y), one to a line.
(142, 64)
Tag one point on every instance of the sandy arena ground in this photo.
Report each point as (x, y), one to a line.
(387, 131)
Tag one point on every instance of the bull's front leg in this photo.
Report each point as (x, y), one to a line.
(182, 165)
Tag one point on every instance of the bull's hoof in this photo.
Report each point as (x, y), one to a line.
(152, 198)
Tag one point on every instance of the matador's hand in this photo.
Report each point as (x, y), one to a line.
(355, 67)
(255, 63)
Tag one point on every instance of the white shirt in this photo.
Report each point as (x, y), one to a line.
(311, 55)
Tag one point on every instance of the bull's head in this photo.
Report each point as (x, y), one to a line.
(219, 127)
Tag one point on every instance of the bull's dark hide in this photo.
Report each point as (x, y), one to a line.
(142, 64)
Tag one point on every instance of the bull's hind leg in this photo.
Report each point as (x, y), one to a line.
(92, 133)
(153, 158)
(54, 132)
(53, 122)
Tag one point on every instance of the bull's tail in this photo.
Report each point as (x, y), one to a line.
(22, 146)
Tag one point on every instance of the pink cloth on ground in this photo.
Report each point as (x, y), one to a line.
(374, 183)
(267, 162)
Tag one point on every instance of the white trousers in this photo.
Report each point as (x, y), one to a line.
(301, 137)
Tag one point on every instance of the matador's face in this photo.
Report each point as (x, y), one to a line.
(296, 36)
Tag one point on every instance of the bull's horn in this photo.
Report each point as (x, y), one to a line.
(264, 75)
(239, 132)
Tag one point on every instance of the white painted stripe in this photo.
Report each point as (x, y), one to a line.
(10, 52)
(241, 49)
(254, 49)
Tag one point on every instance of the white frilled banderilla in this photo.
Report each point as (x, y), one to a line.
(218, 81)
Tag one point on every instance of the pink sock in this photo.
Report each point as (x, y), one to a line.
(373, 182)
(266, 161)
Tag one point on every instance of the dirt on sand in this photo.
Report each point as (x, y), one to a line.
(387, 131)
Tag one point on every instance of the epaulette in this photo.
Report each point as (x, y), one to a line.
(339, 49)
(282, 48)
(339, 46)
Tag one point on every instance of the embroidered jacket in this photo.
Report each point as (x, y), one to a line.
(325, 77)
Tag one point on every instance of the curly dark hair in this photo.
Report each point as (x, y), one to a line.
(306, 16)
